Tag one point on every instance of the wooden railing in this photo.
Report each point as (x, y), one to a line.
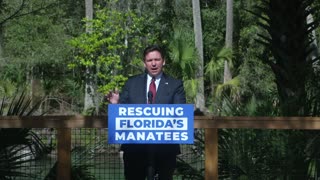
(211, 124)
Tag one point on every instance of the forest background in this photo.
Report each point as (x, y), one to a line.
(236, 57)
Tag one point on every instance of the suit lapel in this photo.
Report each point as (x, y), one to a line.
(142, 89)
(162, 89)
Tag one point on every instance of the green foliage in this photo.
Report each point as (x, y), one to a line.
(191, 88)
(257, 83)
(253, 154)
(214, 74)
(83, 156)
(282, 154)
(18, 145)
(186, 171)
(7, 88)
(105, 48)
(182, 60)
(182, 54)
(11, 9)
(214, 68)
(289, 41)
(78, 172)
(213, 21)
(233, 86)
(34, 47)
(35, 40)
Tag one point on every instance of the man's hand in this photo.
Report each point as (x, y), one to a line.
(113, 97)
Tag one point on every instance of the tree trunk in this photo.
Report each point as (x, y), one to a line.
(1, 41)
(314, 44)
(200, 102)
(229, 36)
(89, 98)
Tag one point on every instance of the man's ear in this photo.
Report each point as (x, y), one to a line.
(164, 63)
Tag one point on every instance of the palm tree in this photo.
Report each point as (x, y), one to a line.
(183, 56)
(229, 39)
(89, 99)
(289, 40)
(200, 101)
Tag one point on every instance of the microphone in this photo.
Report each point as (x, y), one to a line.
(150, 97)
(150, 154)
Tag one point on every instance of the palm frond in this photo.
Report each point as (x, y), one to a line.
(232, 86)
(215, 67)
(19, 146)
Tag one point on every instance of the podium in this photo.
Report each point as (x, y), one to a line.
(150, 124)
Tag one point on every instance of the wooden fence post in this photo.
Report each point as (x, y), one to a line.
(64, 154)
(211, 154)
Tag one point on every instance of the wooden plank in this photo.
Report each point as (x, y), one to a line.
(210, 123)
(64, 154)
(79, 121)
(258, 122)
(311, 123)
(211, 154)
(76, 121)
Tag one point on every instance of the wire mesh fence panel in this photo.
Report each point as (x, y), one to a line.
(38, 158)
(268, 154)
(243, 153)
(190, 163)
(92, 157)
(90, 148)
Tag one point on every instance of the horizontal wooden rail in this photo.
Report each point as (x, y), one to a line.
(210, 123)
(79, 121)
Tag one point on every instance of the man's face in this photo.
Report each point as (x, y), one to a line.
(154, 63)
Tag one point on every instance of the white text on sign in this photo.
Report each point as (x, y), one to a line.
(152, 123)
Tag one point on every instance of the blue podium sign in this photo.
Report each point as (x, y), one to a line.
(150, 124)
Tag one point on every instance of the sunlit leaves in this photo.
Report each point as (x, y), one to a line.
(183, 53)
(214, 69)
(105, 48)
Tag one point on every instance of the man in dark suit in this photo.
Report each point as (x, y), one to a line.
(138, 157)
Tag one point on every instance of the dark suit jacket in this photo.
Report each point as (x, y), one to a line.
(170, 91)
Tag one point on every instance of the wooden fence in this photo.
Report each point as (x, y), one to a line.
(211, 124)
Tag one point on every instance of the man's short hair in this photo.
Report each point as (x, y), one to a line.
(153, 48)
